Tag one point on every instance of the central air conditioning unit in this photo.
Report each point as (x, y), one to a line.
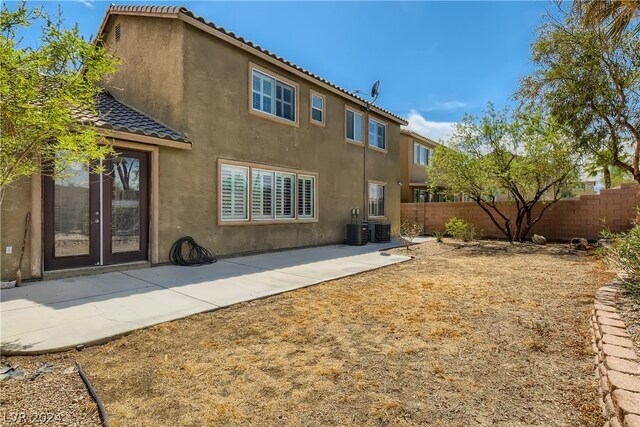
(357, 234)
(378, 232)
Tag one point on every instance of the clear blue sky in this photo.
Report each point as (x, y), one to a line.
(435, 60)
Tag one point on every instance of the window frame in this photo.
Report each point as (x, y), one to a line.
(313, 93)
(247, 206)
(277, 78)
(296, 219)
(385, 126)
(384, 199)
(255, 172)
(276, 196)
(428, 150)
(362, 130)
(313, 199)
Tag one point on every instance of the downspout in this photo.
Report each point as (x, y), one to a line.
(365, 142)
(365, 212)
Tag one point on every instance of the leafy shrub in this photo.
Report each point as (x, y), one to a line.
(438, 235)
(625, 248)
(409, 230)
(461, 230)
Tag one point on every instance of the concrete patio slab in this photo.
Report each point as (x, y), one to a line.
(60, 314)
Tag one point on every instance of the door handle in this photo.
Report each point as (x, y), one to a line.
(96, 221)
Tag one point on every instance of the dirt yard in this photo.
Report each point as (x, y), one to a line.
(462, 335)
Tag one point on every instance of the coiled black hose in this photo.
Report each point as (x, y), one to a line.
(197, 255)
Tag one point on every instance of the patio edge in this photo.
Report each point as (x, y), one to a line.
(616, 363)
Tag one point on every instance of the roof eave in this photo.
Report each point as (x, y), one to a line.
(178, 13)
(142, 138)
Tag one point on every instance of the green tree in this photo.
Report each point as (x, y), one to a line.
(520, 154)
(591, 86)
(42, 89)
(612, 175)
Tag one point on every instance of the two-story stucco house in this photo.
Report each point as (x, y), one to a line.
(219, 139)
(416, 153)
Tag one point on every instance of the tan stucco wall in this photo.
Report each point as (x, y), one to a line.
(16, 203)
(188, 80)
(219, 124)
(150, 74)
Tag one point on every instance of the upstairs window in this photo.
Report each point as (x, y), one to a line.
(377, 134)
(317, 108)
(421, 154)
(353, 126)
(272, 96)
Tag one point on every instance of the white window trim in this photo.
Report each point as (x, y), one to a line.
(313, 199)
(324, 108)
(384, 200)
(386, 142)
(261, 217)
(276, 77)
(362, 130)
(293, 195)
(249, 207)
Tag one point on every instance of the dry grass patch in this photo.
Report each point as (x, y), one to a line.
(462, 335)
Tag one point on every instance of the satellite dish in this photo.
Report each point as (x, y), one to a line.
(375, 90)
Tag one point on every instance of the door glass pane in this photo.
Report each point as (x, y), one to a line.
(71, 212)
(125, 205)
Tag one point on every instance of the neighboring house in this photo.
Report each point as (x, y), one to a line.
(586, 187)
(416, 153)
(220, 140)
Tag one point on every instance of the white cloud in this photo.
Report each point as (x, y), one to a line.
(434, 130)
(88, 3)
(446, 106)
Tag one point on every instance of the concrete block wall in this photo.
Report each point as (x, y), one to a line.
(568, 218)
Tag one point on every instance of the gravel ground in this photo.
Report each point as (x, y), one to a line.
(478, 334)
(57, 398)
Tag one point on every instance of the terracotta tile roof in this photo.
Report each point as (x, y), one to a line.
(113, 114)
(176, 10)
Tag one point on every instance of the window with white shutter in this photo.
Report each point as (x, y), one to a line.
(273, 96)
(285, 190)
(234, 193)
(306, 196)
(263, 92)
(262, 194)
